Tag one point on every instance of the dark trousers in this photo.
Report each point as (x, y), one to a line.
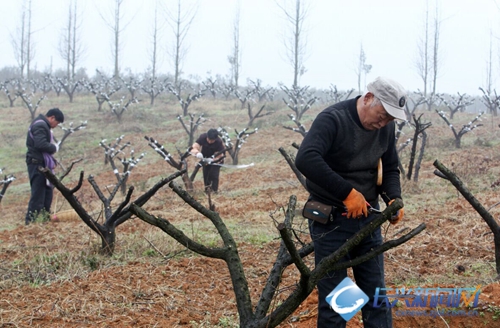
(41, 194)
(368, 275)
(211, 177)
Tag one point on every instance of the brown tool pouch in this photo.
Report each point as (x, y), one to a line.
(317, 211)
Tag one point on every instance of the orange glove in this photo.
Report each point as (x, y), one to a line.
(398, 216)
(355, 204)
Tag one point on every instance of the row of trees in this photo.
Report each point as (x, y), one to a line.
(179, 16)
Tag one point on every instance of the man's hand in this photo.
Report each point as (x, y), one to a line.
(398, 216)
(199, 155)
(355, 204)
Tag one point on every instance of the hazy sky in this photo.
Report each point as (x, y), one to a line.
(335, 30)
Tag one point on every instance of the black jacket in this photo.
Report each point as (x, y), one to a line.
(338, 154)
(38, 140)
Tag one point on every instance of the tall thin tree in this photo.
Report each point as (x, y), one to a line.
(22, 41)
(117, 27)
(235, 57)
(362, 68)
(295, 40)
(180, 19)
(155, 39)
(428, 61)
(70, 46)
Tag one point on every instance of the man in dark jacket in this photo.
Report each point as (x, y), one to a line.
(41, 146)
(349, 159)
(205, 147)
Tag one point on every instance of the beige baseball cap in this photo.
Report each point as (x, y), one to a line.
(391, 94)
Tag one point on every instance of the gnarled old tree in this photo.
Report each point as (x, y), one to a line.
(262, 313)
(443, 172)
(300, 127)
(29, 104)
(102, 88)
(153, 87)
(184, 103)
(244, 97)
(465, 128)
(241, 137)
(262, 92)
(333, 95)
(118, 108)
(253, 116)
(112, 219)
(11, 89)
(490, 99)
(300, 100)
(182, 164)
(457, 103)
(112, 152)
(194, 124)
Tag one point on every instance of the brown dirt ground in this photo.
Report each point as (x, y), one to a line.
(195, 291)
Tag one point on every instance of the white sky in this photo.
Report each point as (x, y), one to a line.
(387, 29)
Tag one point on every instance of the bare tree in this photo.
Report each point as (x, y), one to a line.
(445, 173)
(117, 28)
(253, 116)
(12, 89)
(428, 59)
(295, 41)
(420, 128)
(456, 104)
(235, 57)
(180, 20)
(181, 165)
(241, 137)
(118, 108)
(29, 104)
(300, 100)
(194, 124)
(112, 218)
(260, 91)
(22, 42)
(292, 251)
(465, 128)
(155, 41)
(300, 127)
(112, 152)
(334, 95)
(184, 103)
(490, 97)
(362, 68)
(70, 46)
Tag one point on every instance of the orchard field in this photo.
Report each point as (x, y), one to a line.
(52, 275)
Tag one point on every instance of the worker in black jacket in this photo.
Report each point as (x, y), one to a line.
(349, 159)
(41, 148)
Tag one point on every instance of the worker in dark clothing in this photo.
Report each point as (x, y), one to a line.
(41, 148)
(204, 148)
(349, 160)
